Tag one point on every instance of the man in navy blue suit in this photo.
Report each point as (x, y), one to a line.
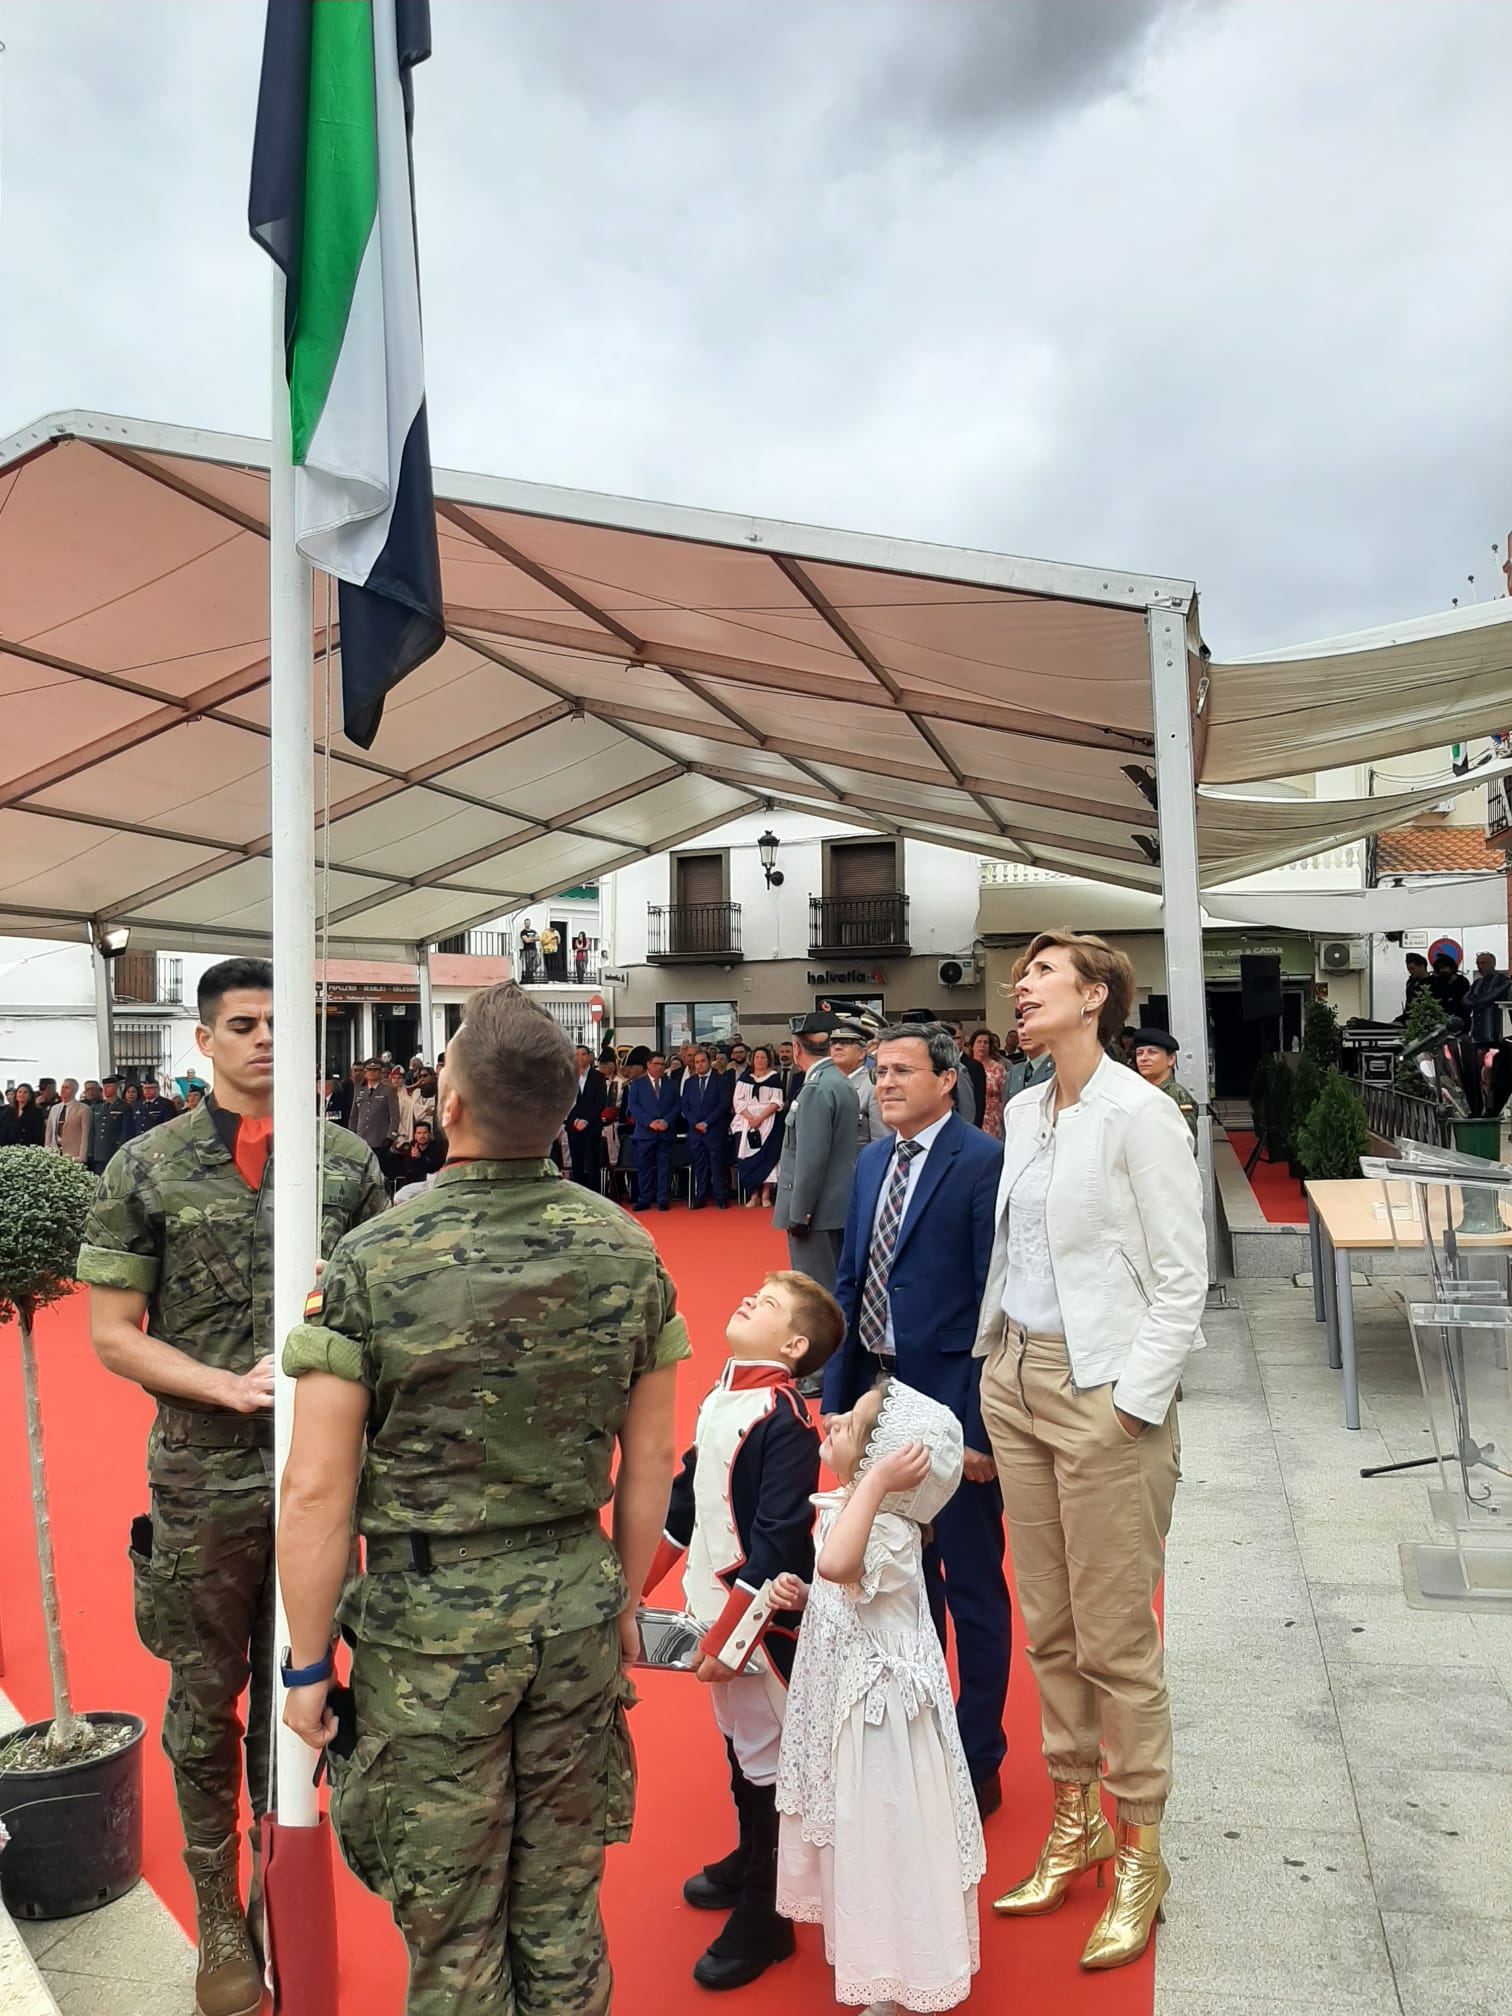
(708, 1100)
(651, 1104)
(918, 1239)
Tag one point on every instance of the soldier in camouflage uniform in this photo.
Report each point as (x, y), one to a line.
(181, 1230)
(1155, 1054)
(466, 1370)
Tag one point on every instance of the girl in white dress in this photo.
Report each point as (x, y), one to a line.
(880, 1838)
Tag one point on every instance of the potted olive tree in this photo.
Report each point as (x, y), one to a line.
(70, 1787)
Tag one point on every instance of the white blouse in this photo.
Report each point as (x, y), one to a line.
(1029, 1295)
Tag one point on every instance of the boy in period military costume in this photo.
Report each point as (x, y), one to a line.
(1155, 1054)
(182, 1232)
(742, 1512)
(468, 1370)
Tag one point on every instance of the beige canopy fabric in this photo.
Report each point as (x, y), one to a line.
(618, 678)
(1359, 699)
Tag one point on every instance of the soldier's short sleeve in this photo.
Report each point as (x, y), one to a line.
(335, 1334)
(123, 1245)
(374, 1197)
(671, 1344)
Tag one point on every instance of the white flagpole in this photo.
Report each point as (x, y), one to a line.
(296, 1207)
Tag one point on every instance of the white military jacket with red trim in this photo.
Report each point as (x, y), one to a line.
(740, 1511)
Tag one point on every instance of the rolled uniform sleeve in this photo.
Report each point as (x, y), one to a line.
(335, 1335)
(123, 1235)
(671, 1343)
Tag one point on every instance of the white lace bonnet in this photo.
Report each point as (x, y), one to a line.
(906, 1416)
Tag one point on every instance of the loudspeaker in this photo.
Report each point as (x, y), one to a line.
(1260, 987)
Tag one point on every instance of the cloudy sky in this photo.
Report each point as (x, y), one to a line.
(1218, 289)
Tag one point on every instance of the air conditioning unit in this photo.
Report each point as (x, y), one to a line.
(1343, 955)
(956, 972)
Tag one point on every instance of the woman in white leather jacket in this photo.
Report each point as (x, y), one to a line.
(1094, 1294)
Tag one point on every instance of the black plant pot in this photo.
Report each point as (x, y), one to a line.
(76, 1832)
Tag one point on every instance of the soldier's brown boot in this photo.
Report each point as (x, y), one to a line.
(228, 1982)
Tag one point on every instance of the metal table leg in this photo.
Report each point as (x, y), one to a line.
(1344, 1298)
(1315, 1236)
(1330, 1296)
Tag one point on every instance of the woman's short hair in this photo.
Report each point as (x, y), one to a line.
(1096, 965)
(993, 1045)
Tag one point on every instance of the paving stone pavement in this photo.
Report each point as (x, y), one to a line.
(1340, 1834)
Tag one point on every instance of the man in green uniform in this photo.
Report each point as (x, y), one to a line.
(182, 1232)
(466, 1370)
(1155, 1053)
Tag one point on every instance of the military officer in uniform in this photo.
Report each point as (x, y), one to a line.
(181, 1232)
(467, 1371)
(819, 1150)
(1155, 1054)
(848, 1041)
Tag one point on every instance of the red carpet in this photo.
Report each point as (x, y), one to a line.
(96, 1434)
(1277, 1191)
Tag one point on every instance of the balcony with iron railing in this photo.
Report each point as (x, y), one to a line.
(147, 980)
(679, 933)
(532, 966)
(873, 926)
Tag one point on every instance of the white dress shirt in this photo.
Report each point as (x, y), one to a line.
(922, 1143)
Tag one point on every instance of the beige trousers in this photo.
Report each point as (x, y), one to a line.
(1088, 1507)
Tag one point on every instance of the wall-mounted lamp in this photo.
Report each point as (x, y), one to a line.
(767, 847)
(111, 944)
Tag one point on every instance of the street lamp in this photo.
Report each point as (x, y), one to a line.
(767, 847)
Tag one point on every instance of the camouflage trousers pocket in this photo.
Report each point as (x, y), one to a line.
(164, 1609)
(360, 1814)
(619, 1770)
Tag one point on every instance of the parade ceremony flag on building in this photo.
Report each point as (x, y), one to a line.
(332, 203)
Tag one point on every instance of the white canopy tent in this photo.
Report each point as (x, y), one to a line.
(1385, 692)
(618, 678)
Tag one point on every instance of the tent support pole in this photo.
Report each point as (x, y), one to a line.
(104, 1002)
(1176, 789)
(296, 1208)
(427, 1045)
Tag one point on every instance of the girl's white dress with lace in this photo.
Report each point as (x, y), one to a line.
(881, 1843)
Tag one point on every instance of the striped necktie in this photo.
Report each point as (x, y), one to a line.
(872, 1327)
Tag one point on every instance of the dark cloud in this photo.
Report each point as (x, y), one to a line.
(983, 66)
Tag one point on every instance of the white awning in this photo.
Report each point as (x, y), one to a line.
(618, 678)
(1360, 699)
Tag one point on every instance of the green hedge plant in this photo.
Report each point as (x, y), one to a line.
(1335, 1133)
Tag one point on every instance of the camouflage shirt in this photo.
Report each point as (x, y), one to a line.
(1184, 1100)
(499, 1323)
(174, 1219)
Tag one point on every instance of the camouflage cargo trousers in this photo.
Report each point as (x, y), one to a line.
(203, 1595)
(478, 1802)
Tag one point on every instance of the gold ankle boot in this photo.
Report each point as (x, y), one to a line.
(1140, 1882)
(1080, 1838)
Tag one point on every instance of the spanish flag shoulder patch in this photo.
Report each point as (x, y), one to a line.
(314, 1303)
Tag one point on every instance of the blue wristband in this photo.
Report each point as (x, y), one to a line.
(306, 1676)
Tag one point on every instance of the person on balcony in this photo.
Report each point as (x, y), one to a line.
(580, 957)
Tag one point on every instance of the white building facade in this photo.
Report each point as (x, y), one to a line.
(699, 946)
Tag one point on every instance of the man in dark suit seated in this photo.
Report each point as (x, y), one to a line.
(651, 1108)
(918, 1239)
(585, 1123)
(707, 1102)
